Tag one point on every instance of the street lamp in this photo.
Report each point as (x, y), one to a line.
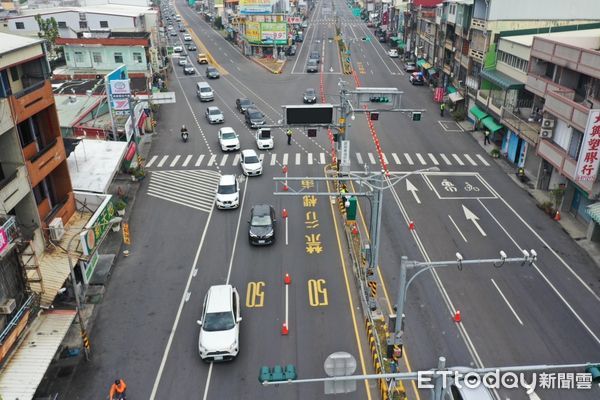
(114, 220)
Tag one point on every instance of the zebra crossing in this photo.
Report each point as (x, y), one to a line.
(271, 159)
(190, 188)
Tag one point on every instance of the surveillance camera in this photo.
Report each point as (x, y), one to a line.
(502, 254)
(459, 257)
(353, 117)
(526, 253)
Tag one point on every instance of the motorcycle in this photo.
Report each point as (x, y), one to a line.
(184, 136)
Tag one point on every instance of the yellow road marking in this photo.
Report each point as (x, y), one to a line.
(389, 303)
(317, 293)
(255, 295)
(202, 47)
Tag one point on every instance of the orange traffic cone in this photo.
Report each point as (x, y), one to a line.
(411, 225)
(557, 216)
(457, 317)
(284, 329)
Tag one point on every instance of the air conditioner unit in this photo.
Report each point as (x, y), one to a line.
(547, 123)
(546, 133)
(57, 229)
(453, 49)
(7, 306)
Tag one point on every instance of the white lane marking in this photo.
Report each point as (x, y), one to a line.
(211, 160)
(298, 155)
(408, 159)
(187, 160)
(421, 159)
(207, 380)
(456, 226)
(433, 159)
(149, 163)
(396, 159)
(310, 159)
(162, 161)
(385, 160)
(458, 160)
(273, 159)
(487, 164)
(199, 160)
(174, 162)
(506, 301)
(321, 158)
(237, 231)
(469, 159)
(359, 158)
(446, 160)
(236, 159)
(261, 157)
(224, 160)
(285, 159)
(371, 158)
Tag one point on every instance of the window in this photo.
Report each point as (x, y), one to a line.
(97, 57)
(83, 25)
(14, 74)
(575, 145)
(68, 56)
(39, 193)
(103, 24)
(62, 24)
(119, 58)
(137, 58)
(19, 25)
(78, 57)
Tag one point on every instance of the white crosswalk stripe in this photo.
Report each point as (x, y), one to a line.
(190, 188)
(458, 160)
(433, 159)
(233, 159)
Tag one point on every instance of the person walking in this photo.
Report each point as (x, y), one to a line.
(117, 390)
(442, 108)
(289, 136)
(486, 137)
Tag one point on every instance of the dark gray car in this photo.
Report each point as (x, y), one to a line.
(261, 227)
(312, 66)
(254, 118)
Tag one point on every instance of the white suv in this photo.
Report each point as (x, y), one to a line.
(250, 162)
(228, 192)
(228, 139)
(264, 140)
(220, 324)
(187, 38)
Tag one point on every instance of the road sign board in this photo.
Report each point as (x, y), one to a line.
(356, 11)
(169, 50)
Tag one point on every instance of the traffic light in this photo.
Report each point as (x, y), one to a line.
(336, 137)
(277, 374)
(311, 132)
(416, 116)
(374, 116)
(379, 99)
(351, 208)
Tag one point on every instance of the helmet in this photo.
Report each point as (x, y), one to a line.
(117, 382)
(183, 128)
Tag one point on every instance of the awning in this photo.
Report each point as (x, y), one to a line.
(421, 62)
(451, 89)
(426, 66)
(455, 97)
(142, 120)
(478, 113)
(500, 79)
(432, 71)
(593, 211)
(491, 124)
(23, 373)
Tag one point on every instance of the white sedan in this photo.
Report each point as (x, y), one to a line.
(393, 53)
(228, 139)
(264, 140)
(251, 163)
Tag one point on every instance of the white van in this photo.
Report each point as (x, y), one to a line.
(204, 91)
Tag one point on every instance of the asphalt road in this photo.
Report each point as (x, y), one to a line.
(146, 328)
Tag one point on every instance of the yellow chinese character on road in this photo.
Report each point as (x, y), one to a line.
(313, 243)
(311, 220)
(309, 201)
(307, 183)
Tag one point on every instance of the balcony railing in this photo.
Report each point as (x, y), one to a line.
(13, 189)
(529, 130)
(45, 161)
(30, 89)
(8, 228)
(12, 332)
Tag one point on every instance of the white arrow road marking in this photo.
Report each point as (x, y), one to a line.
(413, 189)
(470, 216)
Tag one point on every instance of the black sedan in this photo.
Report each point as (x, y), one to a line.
(261, 226)
(212, 73)
(243, 104)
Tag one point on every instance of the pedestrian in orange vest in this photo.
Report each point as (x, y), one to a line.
(117, 390)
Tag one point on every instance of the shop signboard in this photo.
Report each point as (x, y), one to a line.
(273, 32)
(3, 240)
(253, 32)
(255, 7)
(97, 226)
(89, 267)
(120, 88)
(589, 158)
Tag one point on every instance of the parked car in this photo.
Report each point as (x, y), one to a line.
(228, 193)
(202, 59)
(250, 162)
(291, 51)
(192, 47)
(189, 70)
(393, 53)
(181, 28)
(310, 96)
(220, 324)
(416, 78)
(212, 73)
(382, 39)
(312, 66)
(261, 227)
(242, 104)
(173, 32)
(264, 140)
(410, 66)
(304, 24)
(228, 139)
(214, 115)
(254, 118)
(177, 49)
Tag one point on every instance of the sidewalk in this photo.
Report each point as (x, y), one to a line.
(575, 229)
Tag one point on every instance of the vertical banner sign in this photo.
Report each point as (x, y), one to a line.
(587, 165)
(253, 32)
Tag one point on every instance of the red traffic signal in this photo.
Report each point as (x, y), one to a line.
(374, 116)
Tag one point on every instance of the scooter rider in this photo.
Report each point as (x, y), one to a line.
(184, 133)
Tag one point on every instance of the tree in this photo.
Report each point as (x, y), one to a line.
(49, 31)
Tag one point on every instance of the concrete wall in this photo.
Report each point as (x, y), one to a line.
(543, 10)
(115, 22)
(108, 57)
